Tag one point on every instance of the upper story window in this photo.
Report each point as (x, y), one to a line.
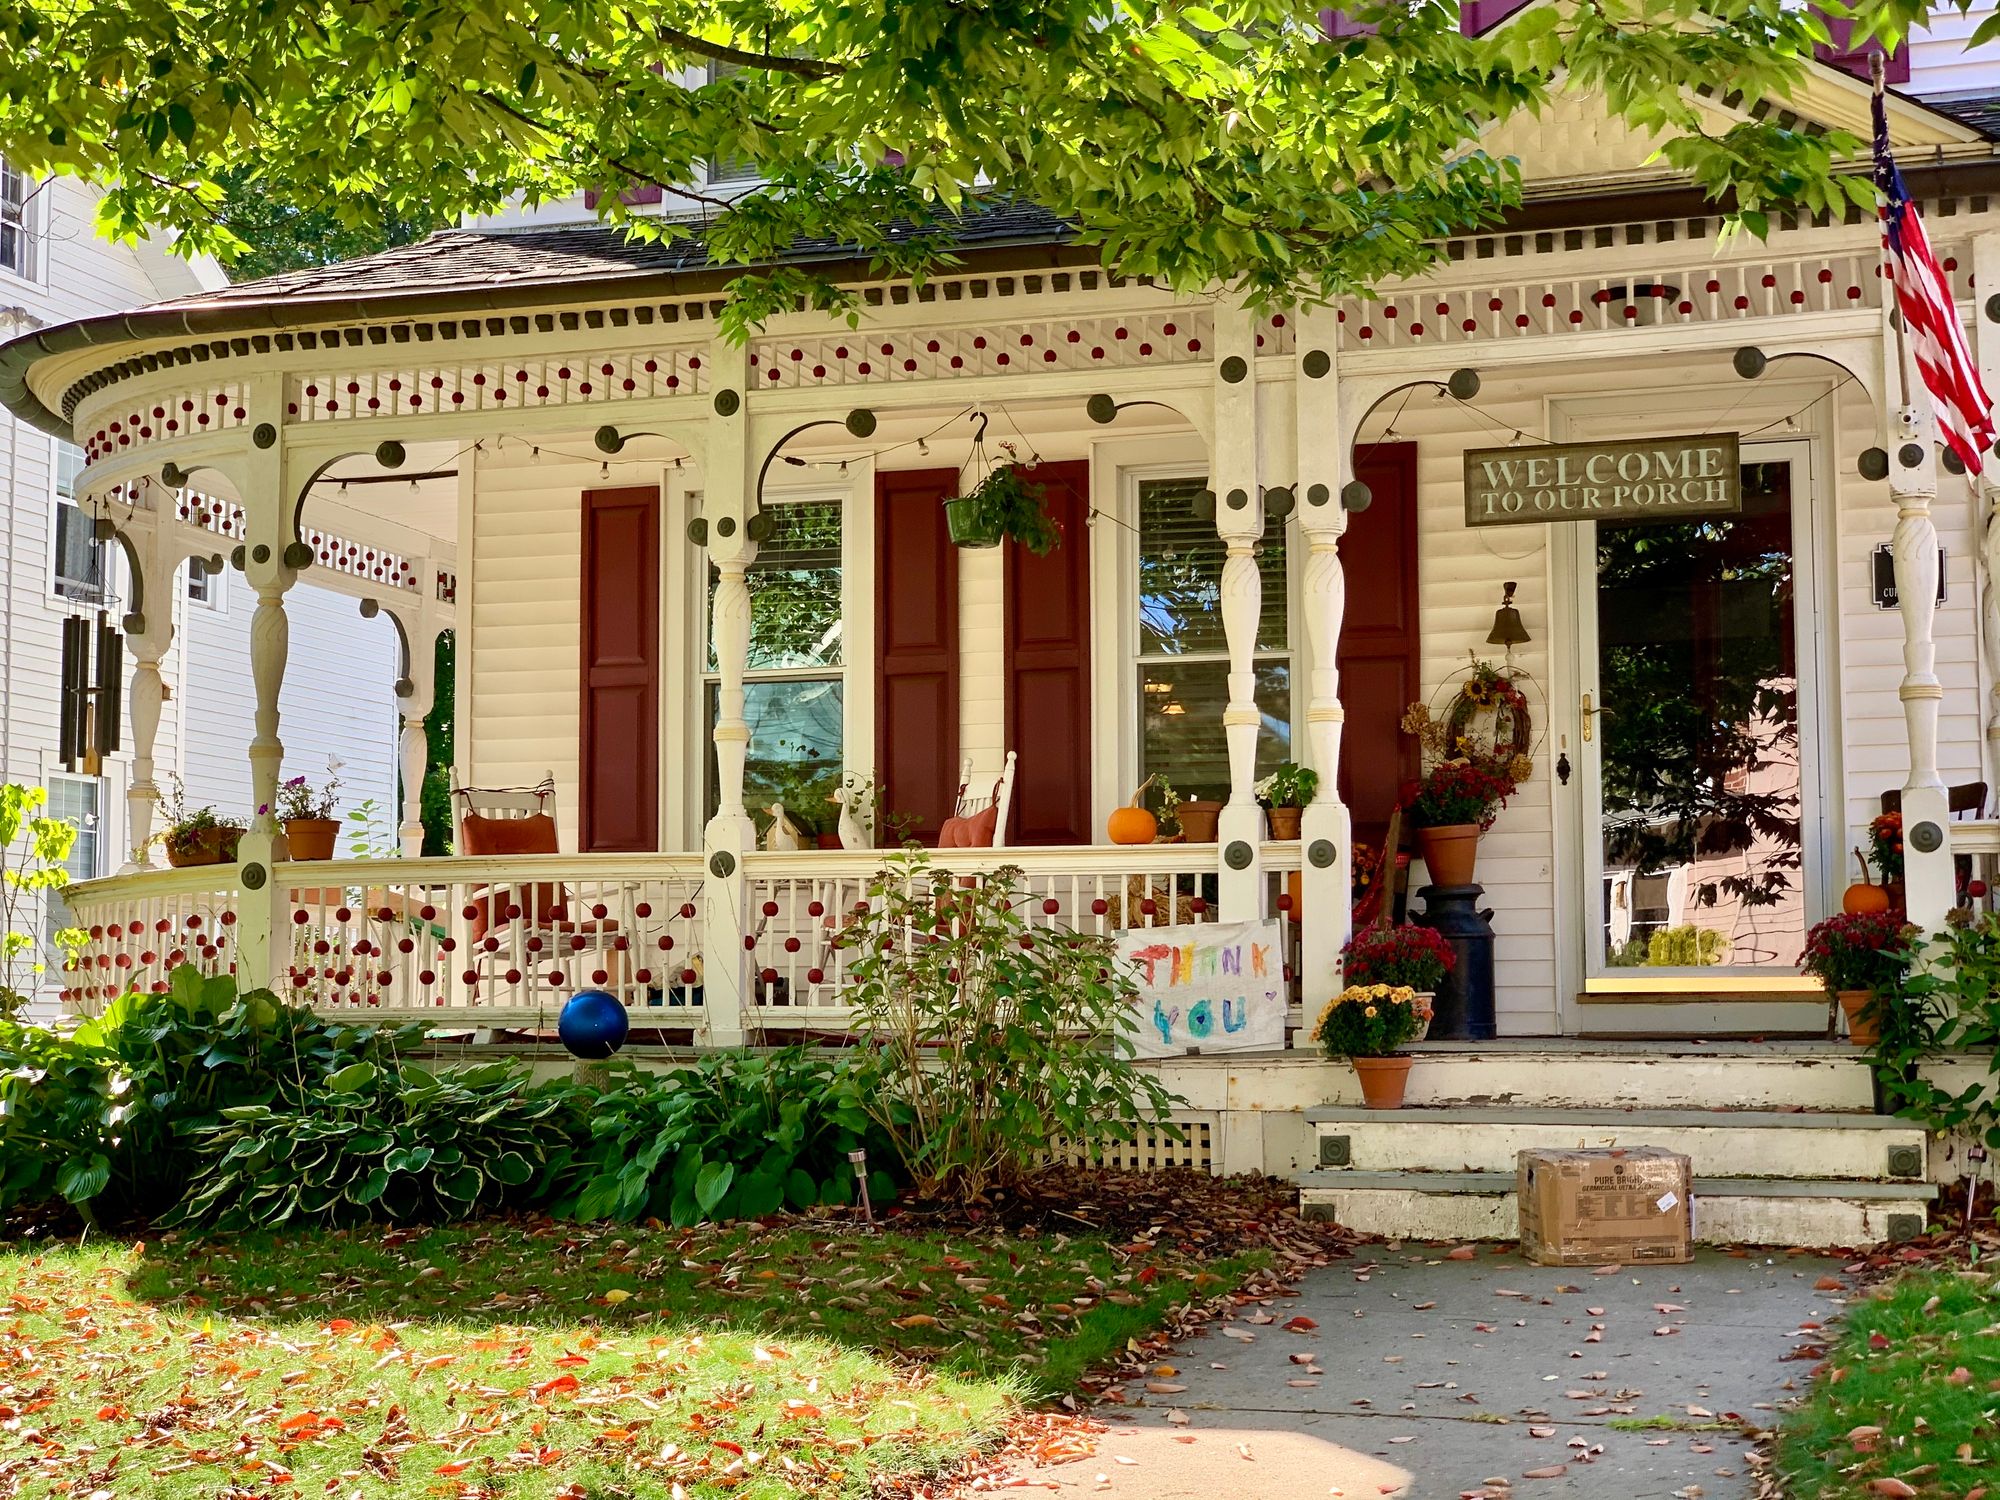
(1183, 665)
(729, 173)
(16, 241)
(79, 562)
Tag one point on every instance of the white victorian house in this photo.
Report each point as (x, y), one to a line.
(54, 269)
(690, 578)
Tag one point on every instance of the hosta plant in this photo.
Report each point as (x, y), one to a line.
(734, 1135)
(377, 1141)
(999, 1037)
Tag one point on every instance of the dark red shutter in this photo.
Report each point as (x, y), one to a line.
(1475, 16)
(1048, 668)
(916, 648)
(1842, 54)
(1379, 638)
(618, 801)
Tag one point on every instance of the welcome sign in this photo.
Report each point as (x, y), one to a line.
(1207, 987)
(1654, 479)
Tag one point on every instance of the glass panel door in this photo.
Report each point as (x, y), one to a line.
(1691, 739)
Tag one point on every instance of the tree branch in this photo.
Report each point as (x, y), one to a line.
(801, 67)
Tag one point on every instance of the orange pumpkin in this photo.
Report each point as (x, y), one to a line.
(1867, 896)
(1133, 824)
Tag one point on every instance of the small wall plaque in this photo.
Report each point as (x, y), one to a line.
(1883, 575)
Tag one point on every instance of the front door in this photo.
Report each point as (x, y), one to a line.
(1696, 744)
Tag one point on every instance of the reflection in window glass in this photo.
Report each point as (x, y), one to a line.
(79, 556)
(72, 799)
(1183, 669)
(794, 685)
(15, 242)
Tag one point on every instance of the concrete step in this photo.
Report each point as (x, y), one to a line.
(1733, 1143)
(1621, 1074)
(1727, 1210)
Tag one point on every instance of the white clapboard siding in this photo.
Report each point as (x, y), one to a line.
(1941, 66)
(524, 633)
(982, 655)
(338, 700)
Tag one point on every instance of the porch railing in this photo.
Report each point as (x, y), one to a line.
(470, 943)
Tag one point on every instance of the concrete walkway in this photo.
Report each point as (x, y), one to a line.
(1429, 1378)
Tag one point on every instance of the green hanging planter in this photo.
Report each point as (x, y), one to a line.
(971, 524)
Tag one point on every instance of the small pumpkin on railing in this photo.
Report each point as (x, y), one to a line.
(1133, 824)
(1866, 896)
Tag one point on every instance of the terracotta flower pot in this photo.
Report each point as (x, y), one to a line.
(1198, 820)
(1383, 1080)
(311, 838)
(829, 841)
(1450, 852)
(1284, 822)
(209, 846)
(1864, 1027)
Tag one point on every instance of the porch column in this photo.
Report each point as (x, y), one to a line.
(1239, 520)
(726, 508)
(1927, 868)
(1327, 827)
(270, 568)
(149, 631)
(416, 695)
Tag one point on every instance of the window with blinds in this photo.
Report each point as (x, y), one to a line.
(795, 679)
(16, 245)
(729, 171)
(77, 571)
(1183, 664)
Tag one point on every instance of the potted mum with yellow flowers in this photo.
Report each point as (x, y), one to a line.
(1367, 1024)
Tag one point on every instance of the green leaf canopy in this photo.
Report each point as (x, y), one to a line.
(1236, 143)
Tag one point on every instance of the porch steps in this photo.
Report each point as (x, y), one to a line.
(1721, 1143)
(1727, 1210)
(1622, 1074)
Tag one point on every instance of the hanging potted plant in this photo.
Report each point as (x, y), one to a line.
(196, 835)
(1001, 505)
(1284, 794)
(1861, 958)
(308, 815)
(1405, 957)
(1367, 1024)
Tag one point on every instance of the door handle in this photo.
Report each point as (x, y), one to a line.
(1590, 713)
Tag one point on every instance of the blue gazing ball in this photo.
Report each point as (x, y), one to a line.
(593, 1024)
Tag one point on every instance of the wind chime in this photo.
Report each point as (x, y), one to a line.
(93, 654)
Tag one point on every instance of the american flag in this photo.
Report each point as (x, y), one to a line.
(1930, 321)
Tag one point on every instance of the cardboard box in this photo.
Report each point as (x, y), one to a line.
(1587, 1208)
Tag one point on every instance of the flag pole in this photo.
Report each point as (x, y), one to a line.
(1877, 75)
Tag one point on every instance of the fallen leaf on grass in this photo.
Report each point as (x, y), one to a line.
(1890, 1485)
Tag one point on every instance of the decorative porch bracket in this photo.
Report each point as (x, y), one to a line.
(727, 497)
(1326, 884)
(1239, 521)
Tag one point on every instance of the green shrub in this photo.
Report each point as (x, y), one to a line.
(101, 1117)
(377, 1142)
(737, 1135)
(998, 1037)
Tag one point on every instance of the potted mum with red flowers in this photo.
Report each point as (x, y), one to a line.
(1861, 957)
(1454, 804)
(1405, 957)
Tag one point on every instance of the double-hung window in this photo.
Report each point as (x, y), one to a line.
(203, 587)
(729, 171)
(17, 242)
(79, 800)
(795, 678)
(1183, 662)
(78, 570)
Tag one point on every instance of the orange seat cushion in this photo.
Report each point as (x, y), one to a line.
(536, 834)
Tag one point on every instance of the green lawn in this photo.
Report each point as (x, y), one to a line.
(1908, 1400)
(549, 1360)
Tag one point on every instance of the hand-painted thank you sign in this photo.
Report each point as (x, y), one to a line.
(1208, 987)
(1654, 479)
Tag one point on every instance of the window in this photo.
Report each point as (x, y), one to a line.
(16, 243)
(75, 799)
(79, 556)
(795, 680)
(729, 172)
(1183, 666)
(203, 587)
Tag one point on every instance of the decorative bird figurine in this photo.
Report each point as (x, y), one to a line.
(854, 830)
(782, 833)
